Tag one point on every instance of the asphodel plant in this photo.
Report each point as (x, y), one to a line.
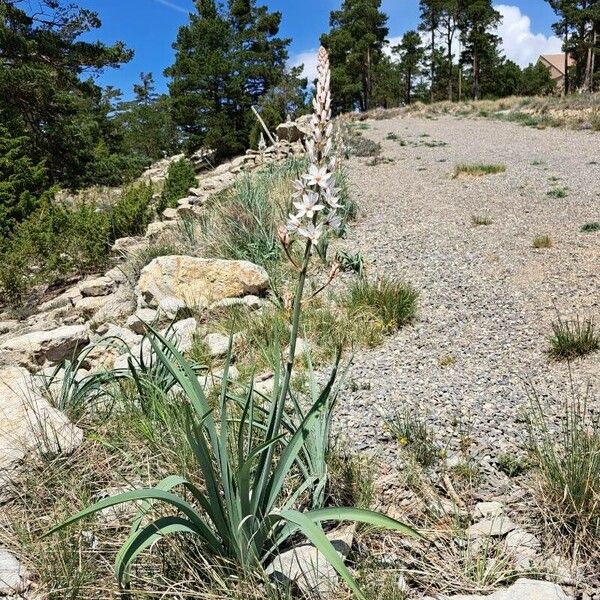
(253, 467)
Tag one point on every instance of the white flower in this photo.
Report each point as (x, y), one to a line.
(309, 205)
(317, 176)
(294, 222)
(331, 199)
(299, 188)
(312, 232)
(333, 221)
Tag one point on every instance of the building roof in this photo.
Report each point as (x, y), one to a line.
(557, 61)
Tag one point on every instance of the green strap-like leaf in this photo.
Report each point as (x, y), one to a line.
(146, 494)
(138, 541)
(317, 537)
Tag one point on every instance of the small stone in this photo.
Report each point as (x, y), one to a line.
(488, 510)
(170, 214)
(142, 317)
(218, 344)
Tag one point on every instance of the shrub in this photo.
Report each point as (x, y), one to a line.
(573, 338)
(392, 303)
(542, 241)
(478, 170)
(568, 463)
(358, 145)
(180, 178)
(132, 213)
(53, 243)
(590, 227)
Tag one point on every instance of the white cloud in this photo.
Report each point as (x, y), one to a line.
(309, 60)
(519, 43)
(173, 6)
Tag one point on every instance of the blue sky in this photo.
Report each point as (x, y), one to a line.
(150, 26)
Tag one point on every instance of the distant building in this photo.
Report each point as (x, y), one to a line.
(555, 63)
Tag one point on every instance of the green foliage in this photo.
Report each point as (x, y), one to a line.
(411, 54)
(558, 192)
(536, 81)
(227, 60)
(355, 45)
(21, 181)
(351, 262)
(512, 464)
(573, 338)
(246, 509)
(590, 227)
(392, 304)
(180, 178)
(542, 241)
(60, 240)
(478, 220)
(53, 242)
(412, 432)
(477, 170)
(44, 52)
(568, 462)
(132, 213)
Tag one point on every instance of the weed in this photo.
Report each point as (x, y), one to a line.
(542, 241)
(412, 432)
(513, 464)
(353, 262)
(478, 220)
(590, 227)
(448, 360)
(478, 170)
(390, 303)
(558, 192)
(571, 339)
(568, 464)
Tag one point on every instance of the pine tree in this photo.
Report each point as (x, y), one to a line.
(44, 98)
(430, 21)
(355, 44)
(226, 61)
(478, 19)
(411, 54)
(448, 22)
(566, 10)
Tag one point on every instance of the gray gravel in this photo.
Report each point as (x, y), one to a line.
(488, 298)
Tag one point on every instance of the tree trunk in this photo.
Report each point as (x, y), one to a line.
(408, 85)
(566, 43)
(475, 75)
(432, 52)
(450, 68)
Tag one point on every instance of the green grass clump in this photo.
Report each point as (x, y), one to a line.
(542, 241)
(590, 227)
(568, 466)
(481, 220)
(478, 170)
(412, 432)
(391, 303)
(558, 192)
(571, 339)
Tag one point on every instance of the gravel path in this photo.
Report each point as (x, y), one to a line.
(488, 297)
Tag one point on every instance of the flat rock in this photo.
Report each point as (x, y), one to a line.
(198, 282)
(28, 422)
(218, 344)
(142, 317)
(13, 577)
(522, 589)
(493, 527)
(488, 510)
(99, 286)
(118, 306)
(38, 347)
(307, 567)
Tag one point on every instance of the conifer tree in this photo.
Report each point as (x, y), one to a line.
(226, 61)
(411, 54)
(355, 44)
